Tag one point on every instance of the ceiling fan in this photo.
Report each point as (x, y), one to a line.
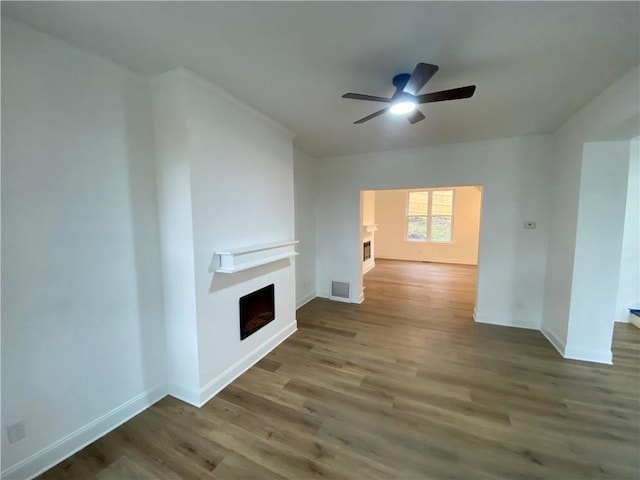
(406, 99)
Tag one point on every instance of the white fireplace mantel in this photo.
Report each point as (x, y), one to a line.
(243, 258)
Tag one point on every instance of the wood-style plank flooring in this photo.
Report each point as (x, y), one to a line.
(405, 385)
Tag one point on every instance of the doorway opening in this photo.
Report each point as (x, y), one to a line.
(425, 239)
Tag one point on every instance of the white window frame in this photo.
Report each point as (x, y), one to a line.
(429, 215)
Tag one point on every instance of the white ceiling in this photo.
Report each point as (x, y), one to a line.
(534, 63)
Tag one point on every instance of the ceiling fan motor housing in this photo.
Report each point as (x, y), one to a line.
(400, 80)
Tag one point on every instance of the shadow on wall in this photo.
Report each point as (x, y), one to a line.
(220, 281)
(144, 228)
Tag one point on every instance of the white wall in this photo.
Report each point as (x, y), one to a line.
(82, 329)
(629, 279)
(240, 174)
(514, 176)
(305, 219)
(176, 230)
(82, 319)
(368, 207)
(391, 237)
(601, 205)
(614, 112)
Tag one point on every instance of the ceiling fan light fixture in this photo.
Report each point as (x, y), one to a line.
(406, 99)
(403, 107)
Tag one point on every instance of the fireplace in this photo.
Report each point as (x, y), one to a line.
(366, 251)
(256, 310)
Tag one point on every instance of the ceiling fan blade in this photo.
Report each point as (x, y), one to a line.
(420, 76)
(415, 116)
(373, 115)
(453, 94)
(371, 98)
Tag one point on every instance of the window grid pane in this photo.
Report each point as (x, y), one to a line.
(441, 228)
(430, 216)
(441, 209)
(443, 197)
(418, 203)
(417, 227)
(442, 202)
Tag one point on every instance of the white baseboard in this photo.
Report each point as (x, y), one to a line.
(630, 318)
(340, 299)
(594, 356)
(553, 340)
(368, 266)
(452, 261)
(497, 320)
(65, 447)
(234, 371)
(571, 353)
(304, 300)
(187, 395)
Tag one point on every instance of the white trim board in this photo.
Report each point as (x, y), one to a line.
(187, 395)
(243, 258)
(553, 340)
(367, 266)
(304, 300)
(49, 456)
(593, 356)
(571, 353)
(495, 320)
(234, 371)
(448, 262)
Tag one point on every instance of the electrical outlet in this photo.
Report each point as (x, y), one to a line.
(16, 431)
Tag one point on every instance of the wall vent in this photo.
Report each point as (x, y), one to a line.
(340, 291)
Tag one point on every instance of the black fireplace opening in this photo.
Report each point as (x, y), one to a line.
(256, 310)
(366, 251)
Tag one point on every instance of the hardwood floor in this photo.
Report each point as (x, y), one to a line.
(405, 385)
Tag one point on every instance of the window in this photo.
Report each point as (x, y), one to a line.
(430, 216)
